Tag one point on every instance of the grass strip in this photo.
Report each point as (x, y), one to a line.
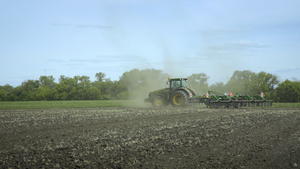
(283, 105)
(65, 104)
(94, 104)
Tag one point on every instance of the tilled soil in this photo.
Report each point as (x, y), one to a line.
(150, 138)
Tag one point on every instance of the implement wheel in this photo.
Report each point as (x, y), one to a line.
(179, 98)
(159, 101)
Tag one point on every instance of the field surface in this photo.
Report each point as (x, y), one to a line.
(132, 137)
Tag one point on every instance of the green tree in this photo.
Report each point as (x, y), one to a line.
(264, 82)
(47, 81)
(198, 82)
(247, 82)
(5, 92)
(288, 91)
(92, 93)
(29, 89)
(218, 87)
(46, 91)
(106, 89)
(83, 88)
(120, 91)
(16, 94)
(100, 76)
(239, 82)
(66, 89)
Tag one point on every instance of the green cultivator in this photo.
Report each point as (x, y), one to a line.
(178, 94)
(216, 100)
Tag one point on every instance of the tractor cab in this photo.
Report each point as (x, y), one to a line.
(175, 83)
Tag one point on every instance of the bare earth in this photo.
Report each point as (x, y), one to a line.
(150, 138)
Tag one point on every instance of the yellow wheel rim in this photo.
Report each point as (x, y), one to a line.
(158, 101)
(178, 99)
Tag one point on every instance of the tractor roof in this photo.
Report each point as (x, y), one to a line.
(170, 78)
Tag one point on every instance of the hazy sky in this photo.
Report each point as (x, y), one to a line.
(180, 37)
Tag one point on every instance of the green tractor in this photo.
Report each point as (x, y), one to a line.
(177, 93)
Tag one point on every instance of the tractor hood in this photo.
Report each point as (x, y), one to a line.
(166, 91)
(160, 91)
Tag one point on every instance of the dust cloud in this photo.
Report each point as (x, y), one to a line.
(140, 82)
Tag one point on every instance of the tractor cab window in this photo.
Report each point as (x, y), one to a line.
(178, 83)
(184, 84)
(175, 84)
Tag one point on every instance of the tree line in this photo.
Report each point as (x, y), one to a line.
(136, 84)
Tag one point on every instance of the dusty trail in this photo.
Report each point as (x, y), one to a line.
(150, 138)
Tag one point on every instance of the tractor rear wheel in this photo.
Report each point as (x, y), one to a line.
(159, 101)
(179, 98)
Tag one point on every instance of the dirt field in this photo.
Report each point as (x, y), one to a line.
(150, 138)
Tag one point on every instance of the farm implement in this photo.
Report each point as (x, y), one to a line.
(179, 95)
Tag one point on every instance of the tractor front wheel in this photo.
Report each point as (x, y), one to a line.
(179, 98)
(159, 101)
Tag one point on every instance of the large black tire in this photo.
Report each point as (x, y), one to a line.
(159, 101)
(179, 98)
